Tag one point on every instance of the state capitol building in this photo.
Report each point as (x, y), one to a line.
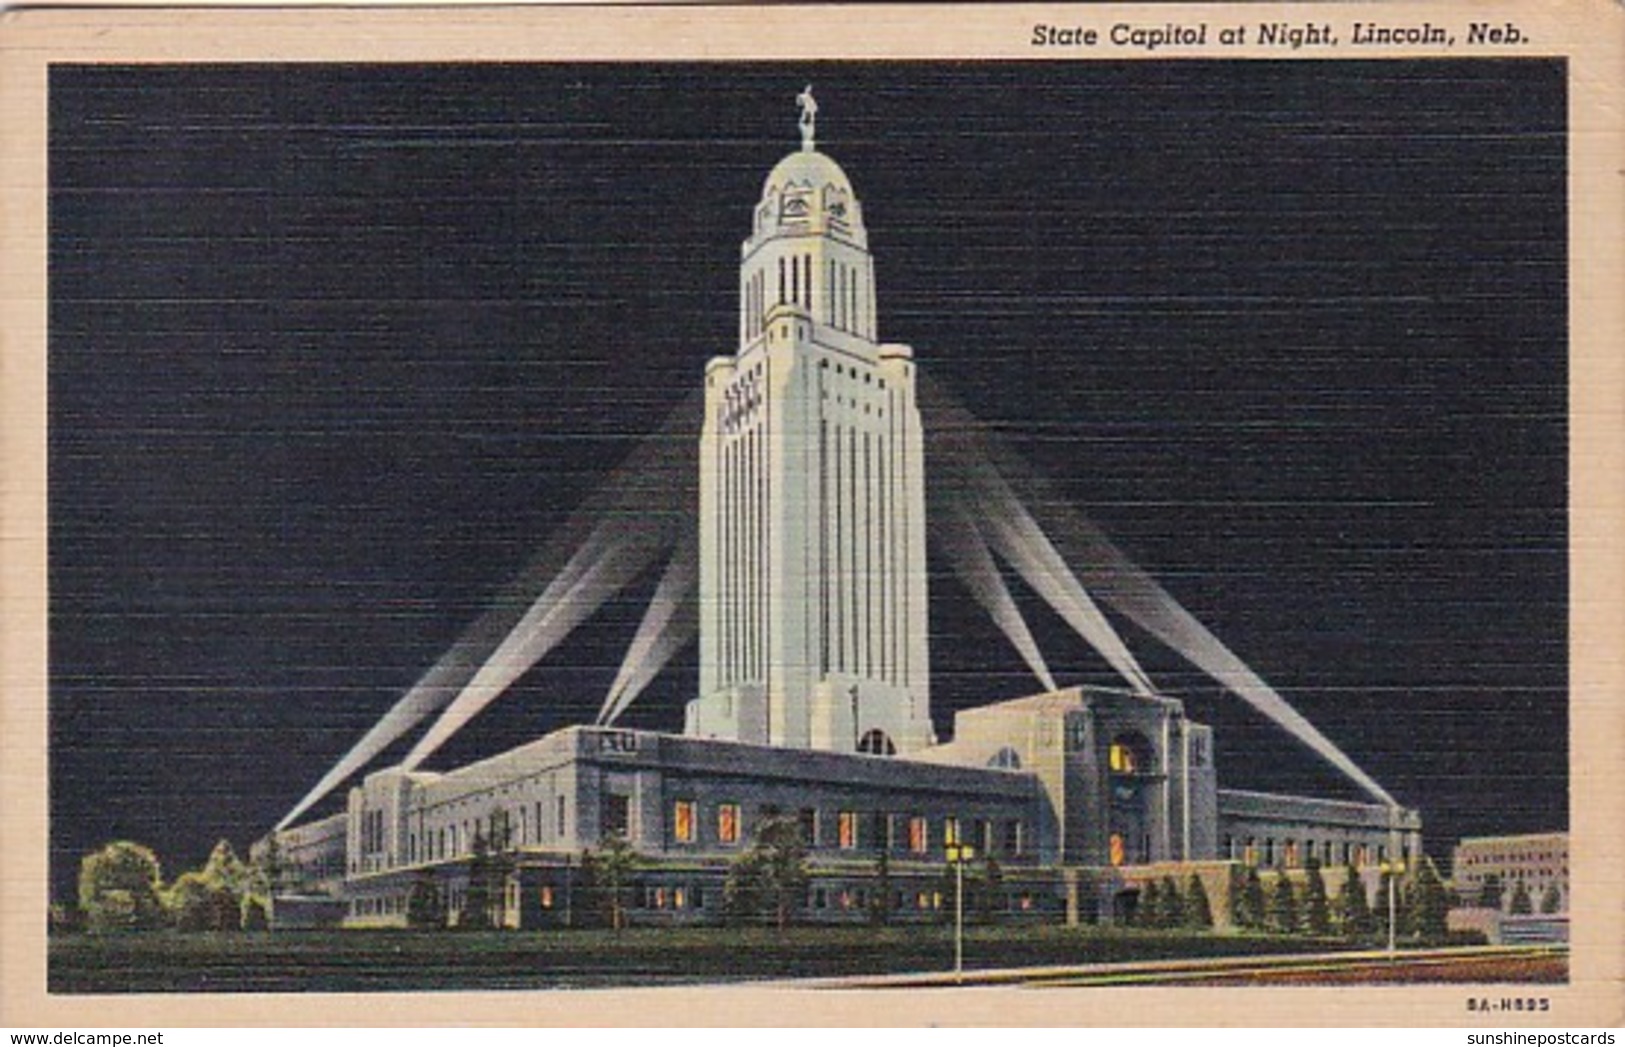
(813, 699)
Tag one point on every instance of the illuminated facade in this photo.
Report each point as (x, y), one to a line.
(813, 698)
(812, 492)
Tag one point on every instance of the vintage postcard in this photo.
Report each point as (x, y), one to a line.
(816, 515)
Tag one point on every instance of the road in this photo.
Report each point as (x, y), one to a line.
(1481, 964)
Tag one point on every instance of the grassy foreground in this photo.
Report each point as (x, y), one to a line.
(352, 961)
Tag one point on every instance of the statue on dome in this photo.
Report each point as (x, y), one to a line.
(809, 116)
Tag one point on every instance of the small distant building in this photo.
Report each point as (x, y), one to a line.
(1538, 861)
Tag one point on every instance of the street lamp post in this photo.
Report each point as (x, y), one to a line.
(1393, 870)
(959, 854)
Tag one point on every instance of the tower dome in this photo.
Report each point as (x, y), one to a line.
(806, 169)
(807, 193)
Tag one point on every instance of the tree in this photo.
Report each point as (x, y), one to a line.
(616, 868)
(195, 902)
(489, 868)
(475, 914)
(1149, 907)
(880, 896)
(990, 897)
(1198, 912)
(269, 867)
(64, 918)
(425, 909)
(782, 865)
(1552, 901)
(1521, 905)
(1429, 904)
(1283, 906)
(588, 908)
(254, 916)
(1353, 907)
(742, 892)
(233, 879)
(1491, 893)
(119, 888)
(1317, 915)
(1247, 900)
(1170, 906)
(226, 871)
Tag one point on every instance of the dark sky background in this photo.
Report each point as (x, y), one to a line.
(333, 349)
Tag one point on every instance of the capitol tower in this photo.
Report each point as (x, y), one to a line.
(812, 595)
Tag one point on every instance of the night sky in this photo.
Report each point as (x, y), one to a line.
(334, 349)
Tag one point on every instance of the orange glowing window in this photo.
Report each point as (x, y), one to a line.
(1120, 758)
(917, 835)
(682, 821)
(547, 896)
(847, 829)
(728, 823)
(1116, 849)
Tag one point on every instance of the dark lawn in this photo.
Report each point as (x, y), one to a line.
(350, 961)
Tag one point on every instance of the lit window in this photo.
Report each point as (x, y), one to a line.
(950, 831)
(1129, 754)
(682, 821)
(917, 835)
(1116, 845)
(847, 826)
(547, 896)
(679, 898)
(728, 823)
(1290, 854)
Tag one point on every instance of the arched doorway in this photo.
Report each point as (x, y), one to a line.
(876, 742)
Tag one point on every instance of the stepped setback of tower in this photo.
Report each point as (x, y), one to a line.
(812, 497)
